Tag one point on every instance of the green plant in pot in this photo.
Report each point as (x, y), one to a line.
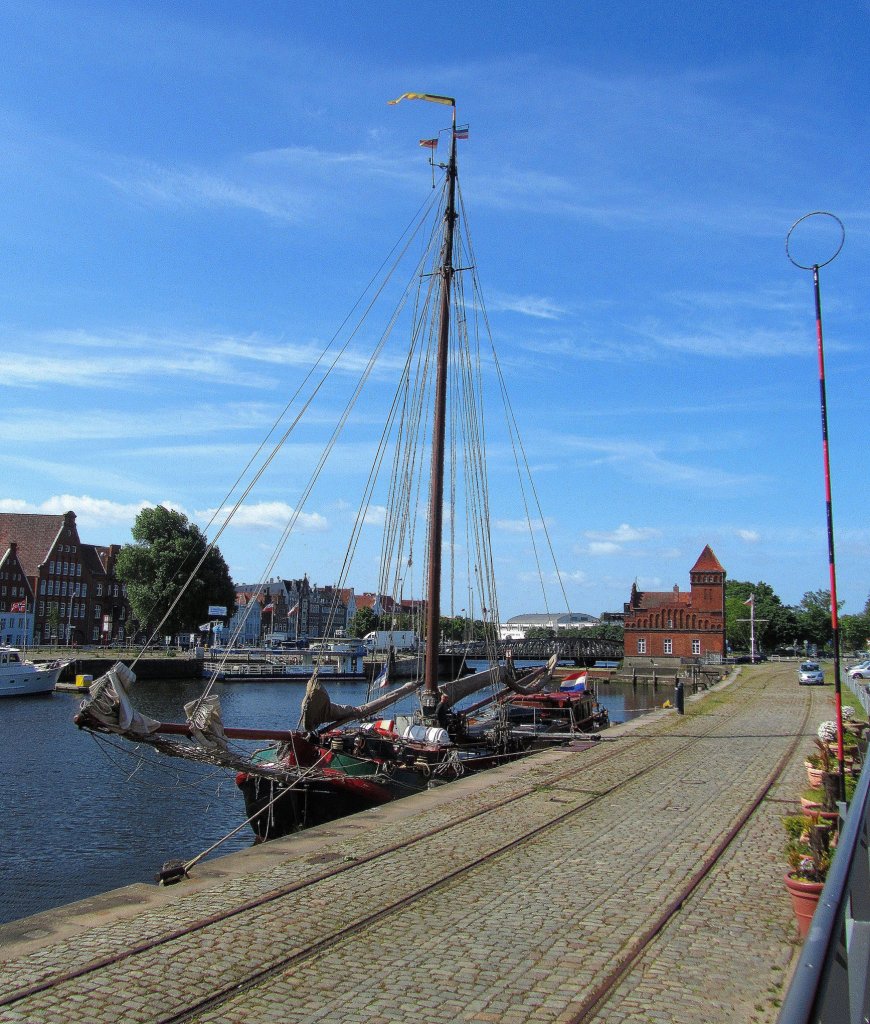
(809, 851)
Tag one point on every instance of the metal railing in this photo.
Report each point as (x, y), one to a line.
(830, 983)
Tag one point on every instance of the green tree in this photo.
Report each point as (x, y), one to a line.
(855, 630)
(363, 622)
(157, 566)
(775, 623)
(814, 617)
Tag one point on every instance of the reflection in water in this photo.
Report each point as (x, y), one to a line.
(84, 815)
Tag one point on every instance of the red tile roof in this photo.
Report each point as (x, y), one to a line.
(34, 533)
(707, 562)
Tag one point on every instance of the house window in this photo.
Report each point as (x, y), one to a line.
(42, 586)
(99, 590)
(669, 646)
(641, 645)
(51, 566)
(696, 647)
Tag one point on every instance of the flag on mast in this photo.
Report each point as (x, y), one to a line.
(19, 606)
(431, 97)
(293, 610)
(383, 679)
(429, 143)
(461, 133)
(268, 608)
(751, 600)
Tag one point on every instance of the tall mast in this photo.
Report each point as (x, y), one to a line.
(436, 491)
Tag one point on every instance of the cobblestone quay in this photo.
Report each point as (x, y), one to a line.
(572, 886)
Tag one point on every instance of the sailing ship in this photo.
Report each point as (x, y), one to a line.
(328, 767)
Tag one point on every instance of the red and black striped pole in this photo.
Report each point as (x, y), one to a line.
(835, 628)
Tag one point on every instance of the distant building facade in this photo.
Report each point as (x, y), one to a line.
(296, 609)
(516, 628)
(672, 624)
(16, 600)
(74, 596)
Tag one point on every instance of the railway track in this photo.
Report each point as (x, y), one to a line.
(546, 803)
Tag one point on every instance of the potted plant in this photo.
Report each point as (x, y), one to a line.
(818, 763)
(809, 851)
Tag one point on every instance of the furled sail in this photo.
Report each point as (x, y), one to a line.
(109, 704)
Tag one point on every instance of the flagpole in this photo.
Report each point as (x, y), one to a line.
(835, 628)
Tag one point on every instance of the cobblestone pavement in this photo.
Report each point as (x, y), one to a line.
(433, 910)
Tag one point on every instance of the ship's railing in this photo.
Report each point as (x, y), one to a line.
(830, 983)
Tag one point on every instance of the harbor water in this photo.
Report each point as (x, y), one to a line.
(84, 814)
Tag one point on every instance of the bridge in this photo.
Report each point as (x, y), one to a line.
(582, 650)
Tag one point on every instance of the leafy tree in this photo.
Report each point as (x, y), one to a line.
(814, 617)
(775, 623)
(855, 632)
(156, 567)
(363, 622)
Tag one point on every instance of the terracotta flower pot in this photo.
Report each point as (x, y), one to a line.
(804, 900)
(811, 808)
(814, 775)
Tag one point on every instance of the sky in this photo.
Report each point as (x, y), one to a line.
(195, 194)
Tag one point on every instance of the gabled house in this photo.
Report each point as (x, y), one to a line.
(674, 624)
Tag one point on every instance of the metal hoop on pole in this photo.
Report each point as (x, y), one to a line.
(800, 220)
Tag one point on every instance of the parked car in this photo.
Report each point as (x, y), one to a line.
(809, 674)
(860, 671)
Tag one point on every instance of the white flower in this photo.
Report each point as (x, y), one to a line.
(827, 732)
(848, 712)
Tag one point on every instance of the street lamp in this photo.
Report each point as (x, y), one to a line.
(815, 266)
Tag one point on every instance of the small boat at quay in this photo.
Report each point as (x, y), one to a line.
(20, 677)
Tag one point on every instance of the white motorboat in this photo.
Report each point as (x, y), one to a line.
(20, 677)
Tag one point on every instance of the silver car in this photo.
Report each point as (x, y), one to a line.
(809, 674)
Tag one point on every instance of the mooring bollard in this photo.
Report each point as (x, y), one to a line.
(679, 700)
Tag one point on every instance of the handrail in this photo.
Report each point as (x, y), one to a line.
(830, 982)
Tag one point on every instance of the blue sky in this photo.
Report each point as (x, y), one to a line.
(193, 196)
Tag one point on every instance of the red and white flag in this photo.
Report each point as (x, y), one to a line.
(19, 606)
(751, 600)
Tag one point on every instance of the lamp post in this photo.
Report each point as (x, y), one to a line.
(835, 630)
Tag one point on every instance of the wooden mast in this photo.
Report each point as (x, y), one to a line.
(436, 491)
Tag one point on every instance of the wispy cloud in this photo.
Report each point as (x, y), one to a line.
(521, 525)
(528, 305)
(266, 515)
(90, 512)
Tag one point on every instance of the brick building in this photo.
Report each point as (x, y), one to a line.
(74, 595)
(672, 624)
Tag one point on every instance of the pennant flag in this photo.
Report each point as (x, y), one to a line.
(269, 607)
(446, 100)
(19, 606)
(205, 627)
(461, 133)
(383, 679)
(751, 599)
(293, 610)
(429, 143)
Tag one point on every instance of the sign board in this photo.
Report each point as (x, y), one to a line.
(217, 609)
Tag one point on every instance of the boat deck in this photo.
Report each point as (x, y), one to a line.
(637, 878)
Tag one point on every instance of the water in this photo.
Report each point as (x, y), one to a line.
(85, 815)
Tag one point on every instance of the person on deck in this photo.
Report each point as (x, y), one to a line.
(442, 712)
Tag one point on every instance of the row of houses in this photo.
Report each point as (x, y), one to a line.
(292, 609)
(54, 588)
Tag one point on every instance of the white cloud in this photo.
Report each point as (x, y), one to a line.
(375, 515)
(527, 305)
(521, 525)
(750, 536)
(89, 511)
(623, 534)
(266, 515)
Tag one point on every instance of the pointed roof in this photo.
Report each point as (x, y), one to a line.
(34, 533)
(707, 562)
